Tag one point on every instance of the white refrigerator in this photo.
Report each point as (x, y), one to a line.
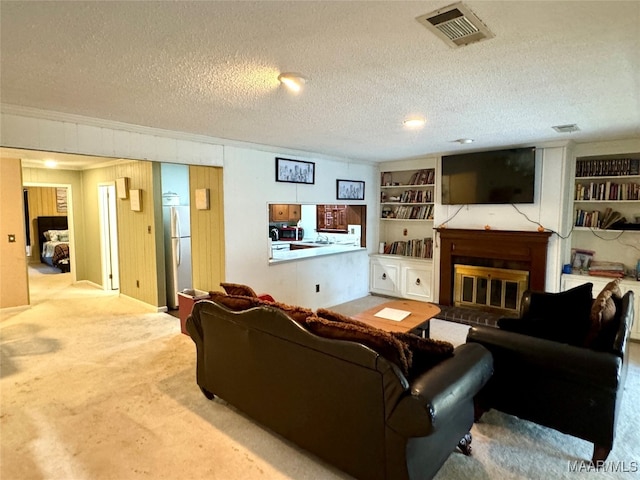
(177, 228)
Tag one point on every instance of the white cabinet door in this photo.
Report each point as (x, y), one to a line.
(384, 276)
(417, 282)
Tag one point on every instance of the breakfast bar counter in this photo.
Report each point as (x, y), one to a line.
(291, 251)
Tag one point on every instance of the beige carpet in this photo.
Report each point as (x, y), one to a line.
(94, 386)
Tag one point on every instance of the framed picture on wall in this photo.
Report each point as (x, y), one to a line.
(61, 199)
(295, 171)
(349, 190)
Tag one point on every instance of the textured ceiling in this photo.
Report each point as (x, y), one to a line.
(211, 67)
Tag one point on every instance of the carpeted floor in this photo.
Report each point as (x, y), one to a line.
(95, 386)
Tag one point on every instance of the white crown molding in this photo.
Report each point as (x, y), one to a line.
(32, 112)
(100, 123)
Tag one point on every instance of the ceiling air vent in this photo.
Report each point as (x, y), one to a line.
(456, 25)
(566, 128)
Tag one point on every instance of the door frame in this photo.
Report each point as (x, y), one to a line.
(70, 222)
(109, 247)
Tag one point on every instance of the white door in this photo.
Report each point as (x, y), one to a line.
(108, 236)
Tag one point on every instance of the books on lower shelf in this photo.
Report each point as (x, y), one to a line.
(408, 212)
(607, 269)
(597, 219)
(419, 248)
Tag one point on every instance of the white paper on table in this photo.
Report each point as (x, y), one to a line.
(392, 314)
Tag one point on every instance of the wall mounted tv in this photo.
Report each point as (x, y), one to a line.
(498, 176)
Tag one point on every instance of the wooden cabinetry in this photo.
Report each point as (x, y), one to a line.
(570, 281)
(284, 212)
(331, 218)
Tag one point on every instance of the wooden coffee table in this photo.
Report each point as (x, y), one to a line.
(421, 313)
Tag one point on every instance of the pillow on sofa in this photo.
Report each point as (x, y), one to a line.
(603, 309)
(241, 302)
(238, 289)
(609, 326)
(561, 317)
(338, 317)
(378, 340)
(235, 302)
(425, 352)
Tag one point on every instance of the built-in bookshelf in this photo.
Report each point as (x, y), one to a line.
(407, 196)
(607, 192)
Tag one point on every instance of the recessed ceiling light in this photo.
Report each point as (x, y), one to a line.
(50, 163)
(414, 122)
(464, 141)
(293, 81)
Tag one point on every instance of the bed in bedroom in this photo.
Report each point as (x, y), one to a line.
(53, 235)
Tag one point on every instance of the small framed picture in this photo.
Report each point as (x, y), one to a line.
(295, 171)
(581, 259)
(122, 187)
(136, 200)
(349, 190)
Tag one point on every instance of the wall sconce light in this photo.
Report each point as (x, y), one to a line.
(293, 81)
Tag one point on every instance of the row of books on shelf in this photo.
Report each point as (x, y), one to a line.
(426, 176)
(408, 196)
(608, 168)
(419, 248)
(607, 191)
(405, 212)
(597, 219)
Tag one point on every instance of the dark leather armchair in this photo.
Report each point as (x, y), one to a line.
(570, 388)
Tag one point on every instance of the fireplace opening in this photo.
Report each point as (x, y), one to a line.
(497, 290)
(519, 251)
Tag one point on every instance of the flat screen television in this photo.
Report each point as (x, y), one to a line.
(494, 177)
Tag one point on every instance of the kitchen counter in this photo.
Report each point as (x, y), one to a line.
(308, 249)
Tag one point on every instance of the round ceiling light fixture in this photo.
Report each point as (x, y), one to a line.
(293, 81)
(464, 141)
(414, 122)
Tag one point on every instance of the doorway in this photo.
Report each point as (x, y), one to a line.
(108, 236)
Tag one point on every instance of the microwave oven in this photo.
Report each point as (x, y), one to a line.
(289, 233)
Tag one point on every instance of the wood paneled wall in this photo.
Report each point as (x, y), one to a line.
(138, 233)
(207, 229)
(42, 202)
(14, 289)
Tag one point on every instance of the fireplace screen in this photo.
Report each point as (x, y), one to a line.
(493, 289)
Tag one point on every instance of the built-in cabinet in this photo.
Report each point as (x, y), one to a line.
(401, 277)
(570, 281)
(403, 266)
(284, 213)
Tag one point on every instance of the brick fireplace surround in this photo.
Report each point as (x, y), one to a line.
(522, 250)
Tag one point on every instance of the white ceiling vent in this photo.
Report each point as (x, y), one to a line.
(566, 128)
(456, 25)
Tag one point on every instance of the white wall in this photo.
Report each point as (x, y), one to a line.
(249, 186)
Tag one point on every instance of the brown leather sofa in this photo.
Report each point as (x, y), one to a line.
(338, 399)
(574, 389)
